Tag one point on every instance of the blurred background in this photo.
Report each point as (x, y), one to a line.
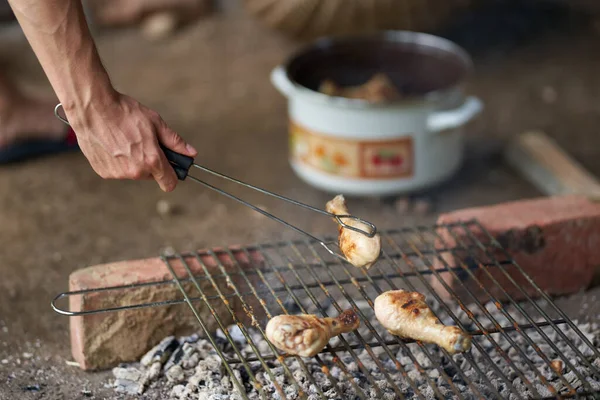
(204, 65)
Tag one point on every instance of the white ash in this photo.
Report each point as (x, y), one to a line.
(192, 369)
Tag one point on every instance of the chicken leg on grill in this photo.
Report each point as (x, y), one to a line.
(406, 314)
(306, 335)
(360, 250)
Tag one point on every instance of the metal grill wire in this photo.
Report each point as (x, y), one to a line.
(301, 275)
(408, 254)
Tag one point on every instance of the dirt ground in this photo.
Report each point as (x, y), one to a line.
(211, 84)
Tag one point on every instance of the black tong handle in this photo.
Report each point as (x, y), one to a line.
(180, 163)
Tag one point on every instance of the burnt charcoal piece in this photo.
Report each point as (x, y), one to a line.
(245, 380)
(223, 344)
(291, 306)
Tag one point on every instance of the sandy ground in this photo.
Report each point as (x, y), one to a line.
(211, 84)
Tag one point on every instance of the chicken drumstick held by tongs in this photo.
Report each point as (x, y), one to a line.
(360, 250)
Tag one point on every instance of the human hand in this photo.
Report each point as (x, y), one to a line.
(120, 138)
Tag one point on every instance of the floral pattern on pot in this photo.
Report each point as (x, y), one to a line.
(352, 158)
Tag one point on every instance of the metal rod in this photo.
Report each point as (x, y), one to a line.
(269, 215)
(501, 352)
(239, 385)
(298, 270)
(423, 348)
(456, 320)
(364, 321)
(408, 341)
(182, 301)
(336, 359)
(269, 315)
(526, 315)
(342, 339)
(486, 313)
(240, 325)
(403, 344)
(263, 303)
(338, 218)
(223, 327)
(545, 297)
(494, 321)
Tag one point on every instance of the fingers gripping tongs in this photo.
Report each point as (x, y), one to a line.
(182, 164)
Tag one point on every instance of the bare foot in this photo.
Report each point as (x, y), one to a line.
(26, 118)
(130, 12)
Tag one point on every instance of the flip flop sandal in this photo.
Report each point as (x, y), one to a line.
(35, 148)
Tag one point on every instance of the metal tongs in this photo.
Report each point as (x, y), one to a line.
(182, 164)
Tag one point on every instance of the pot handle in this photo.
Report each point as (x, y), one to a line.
(451, 119)
(280, 80)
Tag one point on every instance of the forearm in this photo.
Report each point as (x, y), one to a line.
(58, 33)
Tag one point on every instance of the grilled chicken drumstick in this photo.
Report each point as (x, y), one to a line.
(406, 314)
(359, 250)
(306, 335)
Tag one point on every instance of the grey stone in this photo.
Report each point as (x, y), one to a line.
(128, 373)
(126, 386)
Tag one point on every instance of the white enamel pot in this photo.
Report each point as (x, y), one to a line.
(358, 148)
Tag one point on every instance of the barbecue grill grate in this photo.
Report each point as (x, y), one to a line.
(249, 285)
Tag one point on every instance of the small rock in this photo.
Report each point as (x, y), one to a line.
(168, 251)
(161, 352)
(163, 207)
(159, 26)
(126, 386)
(175, 374)
(191, 361)
(402, 205)
(422, 206)
(151, 374)
(177, 391)
(4, 329)
(5, 361)
(236, 334)
(549, 95)
(86, 393)
(130, 374)
(27, 355)
(32, 388)
(434, 373)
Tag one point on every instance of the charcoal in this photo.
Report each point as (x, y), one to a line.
(129, 373)
(175, 374)
(150, 375)
(543, 391)
(194, 359)
(161, 352)
(127, 386)
(236, 334)
(291, 307)
(177, 391)
(175, 358)
(594, 383)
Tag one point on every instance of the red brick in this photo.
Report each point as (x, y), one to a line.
(101, 341)
(556, 240)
